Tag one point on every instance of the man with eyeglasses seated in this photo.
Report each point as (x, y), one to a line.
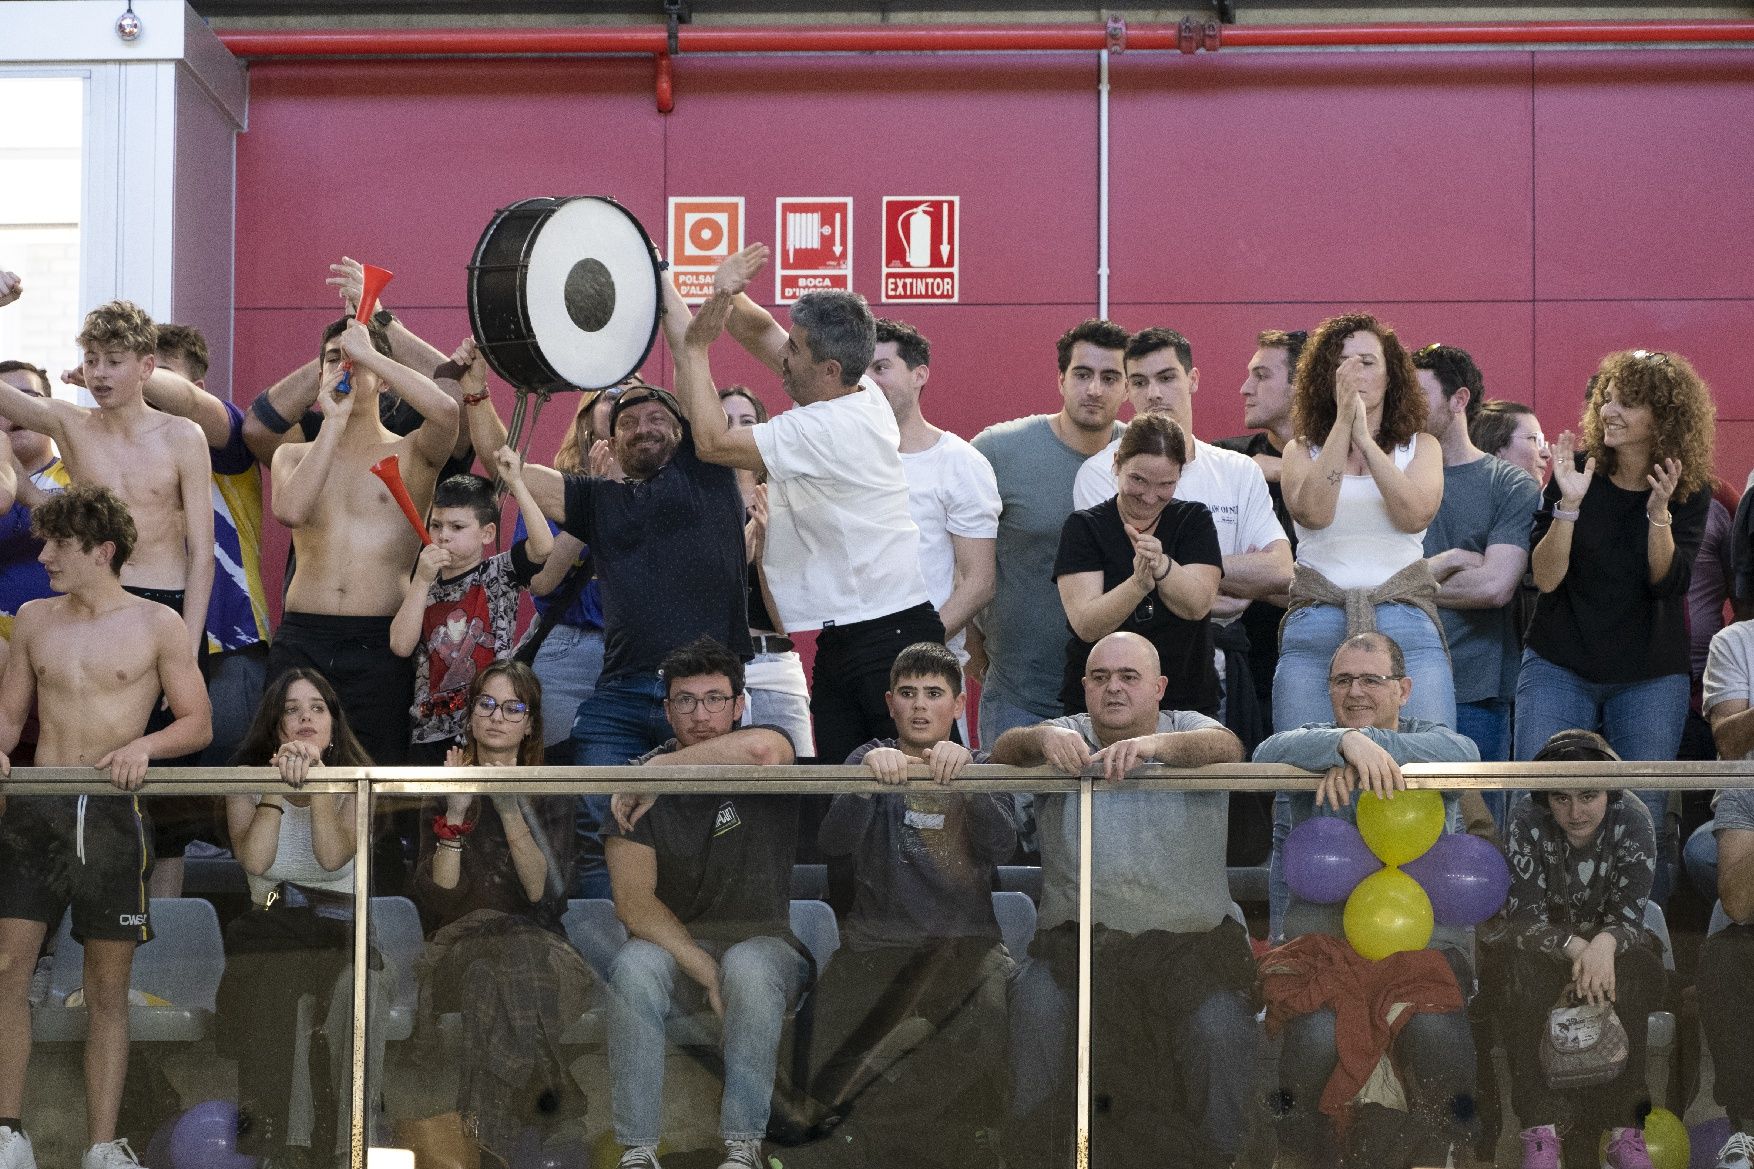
(1175, 1031)
(703, 884)
(1365, 747)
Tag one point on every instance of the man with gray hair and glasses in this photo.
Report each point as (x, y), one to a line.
(841, 552)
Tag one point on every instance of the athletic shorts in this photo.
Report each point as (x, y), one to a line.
(177, 821)
(90, 853)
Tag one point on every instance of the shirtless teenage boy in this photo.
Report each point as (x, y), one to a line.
(354, 547)
(156, 463)
(95, 660)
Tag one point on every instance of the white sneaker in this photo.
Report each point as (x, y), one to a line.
(639, 1157)
(15, 1150)
(743, 1155)
(111, 1155)
(1737, 1153)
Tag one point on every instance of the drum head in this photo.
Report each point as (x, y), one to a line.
(587, 295)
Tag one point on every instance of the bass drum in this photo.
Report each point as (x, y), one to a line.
(564, 294)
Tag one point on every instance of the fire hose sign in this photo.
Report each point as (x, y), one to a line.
(921, 248)
(814, 246)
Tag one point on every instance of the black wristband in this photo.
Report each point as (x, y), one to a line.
(383, 319)
(268, 416)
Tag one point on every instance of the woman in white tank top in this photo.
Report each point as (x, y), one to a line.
(297, 939)
(1361, 483)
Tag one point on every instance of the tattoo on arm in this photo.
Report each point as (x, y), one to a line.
(1336, 476)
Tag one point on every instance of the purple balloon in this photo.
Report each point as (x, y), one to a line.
(206, 1137)
(1325, 858)
(1465, 877)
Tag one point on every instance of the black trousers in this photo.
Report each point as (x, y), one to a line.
(375, 686)
(1529, 987)
(852, 675)
(1726, 1012)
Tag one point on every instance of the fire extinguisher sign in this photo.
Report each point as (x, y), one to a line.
(921, 248)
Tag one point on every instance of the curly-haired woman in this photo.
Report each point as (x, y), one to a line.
(1612, 557)
(1362, 483)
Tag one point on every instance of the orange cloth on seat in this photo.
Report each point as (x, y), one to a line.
(1318, 970)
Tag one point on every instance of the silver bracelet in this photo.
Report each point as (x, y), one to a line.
(1569, 517)
(1653, 520)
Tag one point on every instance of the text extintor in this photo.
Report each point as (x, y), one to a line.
(921, 248)
(814, 242)
(703, 232)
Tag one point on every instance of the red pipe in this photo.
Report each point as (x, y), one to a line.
(992, 38)
(1189, 36)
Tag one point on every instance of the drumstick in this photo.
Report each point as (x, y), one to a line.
(373, 285)
(389, 469)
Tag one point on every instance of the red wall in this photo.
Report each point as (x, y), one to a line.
(1538, 209)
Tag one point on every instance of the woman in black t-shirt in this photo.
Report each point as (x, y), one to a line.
(1612, 556)
(1145, 562)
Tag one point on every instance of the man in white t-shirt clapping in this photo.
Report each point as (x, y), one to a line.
(842, 552)
(1162, 378)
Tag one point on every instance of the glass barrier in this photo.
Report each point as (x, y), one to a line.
(1010, 972)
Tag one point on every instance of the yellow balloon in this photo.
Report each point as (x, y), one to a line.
(1400, 829)
(1387, 913)
(1666, 1139)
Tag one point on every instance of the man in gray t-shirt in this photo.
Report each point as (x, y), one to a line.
(1172, 973)
(1478, 548)
(1020, 643)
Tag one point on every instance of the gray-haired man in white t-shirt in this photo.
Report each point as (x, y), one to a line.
(842, 551)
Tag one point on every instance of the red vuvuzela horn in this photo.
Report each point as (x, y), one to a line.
(389, 469)
(373, 287)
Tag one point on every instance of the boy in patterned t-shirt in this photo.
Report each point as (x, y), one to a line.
(453, 625)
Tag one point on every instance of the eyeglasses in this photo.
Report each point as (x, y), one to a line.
(1654, 356)
(714, 702)
(1368, 681)
(512, 712)
(1428, 350)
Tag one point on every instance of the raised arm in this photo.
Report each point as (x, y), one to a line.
(300, 472)
(488, 433)
(438, 410)
(561, 560)
(538, 540)
(272, 420)
(1413, 496)
(714, 441)
(1551, 556)
(194, 479)
(173, 393)
(43, 415)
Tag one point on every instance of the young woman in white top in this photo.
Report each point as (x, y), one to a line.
(1361, 482)
(297, 939)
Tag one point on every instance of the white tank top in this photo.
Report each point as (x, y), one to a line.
(295, 861)
(1362, 547)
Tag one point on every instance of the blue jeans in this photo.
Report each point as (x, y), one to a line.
(760, 979)
(1699, 858)
(1641, 721)
(567, 664)
(1307, 642)
(1000, 713)
(621, 720)
(1435, 1056)
(1487, 722)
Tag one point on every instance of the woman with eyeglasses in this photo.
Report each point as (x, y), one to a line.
(491, 885)
(1581, 862)
(1612, 555)
(297, 938)
(1147, 563)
